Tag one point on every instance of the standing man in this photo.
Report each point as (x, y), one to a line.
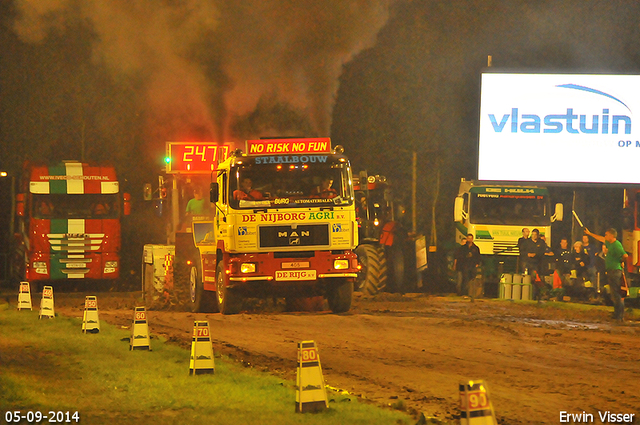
(522, 255)
(466, 261)
(614, 256)
(592, 250)
(534, 249)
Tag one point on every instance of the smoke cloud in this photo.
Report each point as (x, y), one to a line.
(219, 69)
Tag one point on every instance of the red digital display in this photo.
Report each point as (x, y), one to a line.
(195, 158)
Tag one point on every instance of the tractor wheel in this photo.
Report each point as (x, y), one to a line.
(339, 296)
(372, 278)
(229, 301)
(201, 301)
(396, 266)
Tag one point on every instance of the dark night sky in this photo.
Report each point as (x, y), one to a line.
(381, 78)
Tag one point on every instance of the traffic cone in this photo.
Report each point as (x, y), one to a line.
(311, 394)
(24, 296)
(139, 331)
(475, 406)
(90, 320)
(46, 304)
(201, 350)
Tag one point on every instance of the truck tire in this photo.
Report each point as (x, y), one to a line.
(339, 295)
(229, 301)
(396, 269)
(372, 278)
(201, 301)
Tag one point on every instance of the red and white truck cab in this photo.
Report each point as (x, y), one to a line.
(68, 223)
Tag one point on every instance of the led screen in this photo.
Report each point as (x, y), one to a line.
(559, 128)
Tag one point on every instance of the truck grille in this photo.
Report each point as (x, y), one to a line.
(294, 236)
(76, 243)
(505, 248)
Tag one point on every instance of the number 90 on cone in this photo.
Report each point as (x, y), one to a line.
(475, 406)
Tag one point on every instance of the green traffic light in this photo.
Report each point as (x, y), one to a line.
(167, 160)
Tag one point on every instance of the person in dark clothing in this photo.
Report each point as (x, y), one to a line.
(592, 249)
(580, 261)
(466, 261)
(535, 249)
(578, 265)
(522, 255)
(563, 257)
(548, 261)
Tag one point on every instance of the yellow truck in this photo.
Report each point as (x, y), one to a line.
(282, 223)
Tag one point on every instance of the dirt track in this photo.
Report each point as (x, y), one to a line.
(414, 350)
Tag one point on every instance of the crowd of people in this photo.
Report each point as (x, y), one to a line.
(573, 270)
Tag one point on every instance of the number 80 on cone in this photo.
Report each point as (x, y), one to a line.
(308, 355)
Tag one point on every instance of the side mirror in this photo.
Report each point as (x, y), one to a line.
(20, 204)
(457, 209)
(127, 203)
(214, 192)
(148, 192)
(558, 214)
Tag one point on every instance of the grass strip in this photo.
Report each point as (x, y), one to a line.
(50, 365)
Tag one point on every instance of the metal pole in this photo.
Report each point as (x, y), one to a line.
(175, 209)
(414, 185)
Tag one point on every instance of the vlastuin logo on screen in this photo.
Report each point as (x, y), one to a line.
(571, 121)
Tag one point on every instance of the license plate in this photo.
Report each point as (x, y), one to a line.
(284, 275)
(75, 265)
(296, 265)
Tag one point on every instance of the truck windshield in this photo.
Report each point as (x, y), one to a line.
(509, 209)
(319, 180)
(55, 206)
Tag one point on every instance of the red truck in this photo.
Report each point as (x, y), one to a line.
(68, 222)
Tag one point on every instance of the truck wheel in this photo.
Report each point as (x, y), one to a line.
(372, 278)
(229, 301)
(201, 301)
(395, 256)
(339, 296)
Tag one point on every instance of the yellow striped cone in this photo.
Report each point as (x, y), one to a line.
(311, 394)
(475, 406)
(90, 320)
(24, 296)
(46, 304)
(139, 331)
(201, 360)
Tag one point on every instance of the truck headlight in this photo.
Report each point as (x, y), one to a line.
(110, 266)
(40, 267)
(248, 268)
(340, 264)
